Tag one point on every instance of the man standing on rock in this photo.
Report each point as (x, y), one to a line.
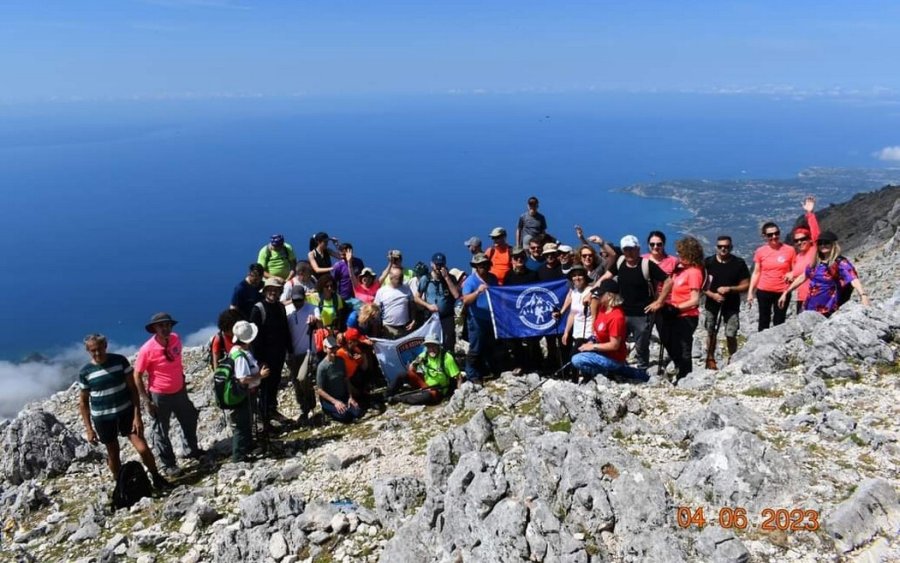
(727, 277)
(165, 394)
(531, 224)
(271, 348)
(108, 403)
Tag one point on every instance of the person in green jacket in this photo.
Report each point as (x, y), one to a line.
(432, 374)
(277, 258)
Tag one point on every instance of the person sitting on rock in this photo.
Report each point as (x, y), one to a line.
(334, 391)
(108, 403)
(829, 276)
(606, 352)
(431, 373)
(248, 373)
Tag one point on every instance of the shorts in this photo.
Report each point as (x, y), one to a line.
(729, 324)
(109, 430)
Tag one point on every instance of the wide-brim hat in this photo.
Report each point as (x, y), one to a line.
(480, 258)
(432, 339)
(550, 248)
(244, 331)
(577, 269)
(159, 318)
(272, 282)
(367, 271)
(828, 237)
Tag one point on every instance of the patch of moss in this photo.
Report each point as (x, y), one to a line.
(836, 382)
(887, 368)
(762, 392)
(618, 435)
(564, 425)
(857, 440)
(368, 499)
(492, 412)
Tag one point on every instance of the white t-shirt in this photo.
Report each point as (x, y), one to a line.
(297, 322)
(582, 325)
(245, 365)
(394, 303)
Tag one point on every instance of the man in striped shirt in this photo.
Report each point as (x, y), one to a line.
(107, 405)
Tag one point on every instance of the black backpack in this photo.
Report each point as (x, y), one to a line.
(131, 486)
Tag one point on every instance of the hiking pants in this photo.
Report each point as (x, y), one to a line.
(268, 396)
(639, 328)
(302, 381)
(448, 333)
(593, 363)
(351, 414)
(680, 342)
(769, 311)
(241, 420)
(186, 413)
(481, 344)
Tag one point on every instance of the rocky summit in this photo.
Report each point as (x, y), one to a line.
(789, 453)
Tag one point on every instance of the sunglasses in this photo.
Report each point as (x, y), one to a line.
(723, 246)
(773, 234)
(587, 255)
(657, 244)
(801, 239)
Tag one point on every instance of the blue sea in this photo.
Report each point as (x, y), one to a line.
(114, 211)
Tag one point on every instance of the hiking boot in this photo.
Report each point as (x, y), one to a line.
(160, 483)
(280, 418)
(197, 454)
(170, 471)
(711, 364)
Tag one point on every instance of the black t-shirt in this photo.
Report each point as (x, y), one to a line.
(244, 297)
(729, 273)
(526, 277)
(549, 274)
(633, 288)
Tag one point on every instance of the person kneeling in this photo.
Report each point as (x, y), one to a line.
(431, 373)
(607, 352)
(334, 391)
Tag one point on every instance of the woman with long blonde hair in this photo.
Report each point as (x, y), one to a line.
(830, 276)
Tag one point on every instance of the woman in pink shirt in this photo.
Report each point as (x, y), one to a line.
(772, 266)
(682, 310)
(656, 241)
(804, 239)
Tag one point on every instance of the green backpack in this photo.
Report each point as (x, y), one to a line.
(230, 394)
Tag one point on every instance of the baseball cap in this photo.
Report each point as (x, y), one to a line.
(395, 254)
(276, 240)
(473, 241)
(827, 237)
(329, 342)
(498, 232)
(439, 259)
(298, 292)
(517, 250)
(630, 241)
(550, 248)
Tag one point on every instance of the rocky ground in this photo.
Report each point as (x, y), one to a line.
(790, 451)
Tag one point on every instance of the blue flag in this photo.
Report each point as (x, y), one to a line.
(520, 311)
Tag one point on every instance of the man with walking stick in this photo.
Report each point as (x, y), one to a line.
(727, 276)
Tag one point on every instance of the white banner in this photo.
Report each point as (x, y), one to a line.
(394, 355)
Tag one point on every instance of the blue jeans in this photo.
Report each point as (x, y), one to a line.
(481, 343)
(351, 414)
(592, 363)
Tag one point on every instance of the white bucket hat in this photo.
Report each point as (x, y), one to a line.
(244, 332)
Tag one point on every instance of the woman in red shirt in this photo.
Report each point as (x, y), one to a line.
(772, 265)
(605, 353)
(683, 306)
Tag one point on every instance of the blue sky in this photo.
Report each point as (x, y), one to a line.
(102, 49)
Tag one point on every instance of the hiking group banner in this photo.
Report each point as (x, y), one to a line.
(394, 355)
(521, 311)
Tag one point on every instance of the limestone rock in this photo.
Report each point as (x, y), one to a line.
(874, 508)
(36, 444)
(396, 497)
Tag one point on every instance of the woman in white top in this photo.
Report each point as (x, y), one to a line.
(579, 322)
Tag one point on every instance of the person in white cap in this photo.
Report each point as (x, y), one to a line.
(248, 373)
(566, 260)
(638, 279)
(365, 286)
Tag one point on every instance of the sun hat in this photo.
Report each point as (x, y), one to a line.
(630, 241)
(480, 258)
(456, 272)
(473, 241)
(565, 248)
(159, 318)
(432, 339)
(517, 250)
(498, 232)
(367, 271)
(577, 269)
(550, 248)
(244, 331)
(272, 282)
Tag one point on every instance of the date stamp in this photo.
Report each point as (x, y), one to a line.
(770, 519)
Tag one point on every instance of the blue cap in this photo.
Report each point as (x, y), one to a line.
(439, 259)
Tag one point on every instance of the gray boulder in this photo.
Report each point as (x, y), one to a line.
(396, 498)
(873, 509)
(36, 445)
(721, 412)
(721, 546)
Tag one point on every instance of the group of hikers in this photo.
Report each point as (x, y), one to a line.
(310, 324)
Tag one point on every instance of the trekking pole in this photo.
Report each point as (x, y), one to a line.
(536, 387)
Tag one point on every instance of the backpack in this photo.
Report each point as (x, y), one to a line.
(229, 393)
(209, 348)
(645, 270)
(445, 298)
(844, 291)
(286, 255)
(132, 485)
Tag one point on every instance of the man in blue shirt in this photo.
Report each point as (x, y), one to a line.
(246, 293)
(438, 289)
(481, 332)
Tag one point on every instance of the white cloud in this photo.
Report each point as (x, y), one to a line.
(891, 154)
(201, 337)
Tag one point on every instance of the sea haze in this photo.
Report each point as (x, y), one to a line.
(117, 210)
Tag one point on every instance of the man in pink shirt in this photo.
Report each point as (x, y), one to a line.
(165, 393)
